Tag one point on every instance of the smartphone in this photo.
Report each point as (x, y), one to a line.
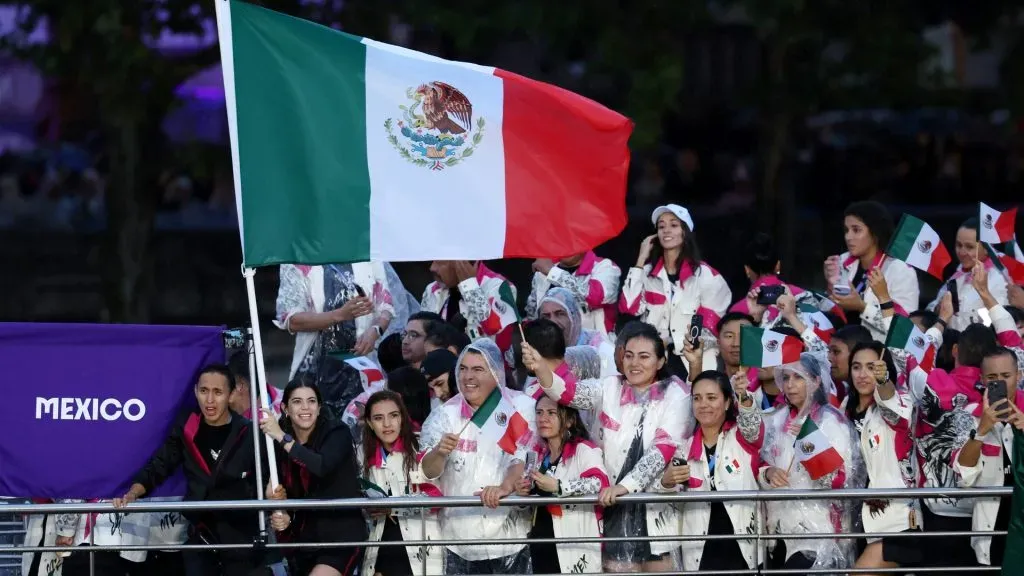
(996, 391)
(841, 290)
(954, 294)
(769, 295)
(696, 324)
(679, 461)
(531, 463)
(233, 338)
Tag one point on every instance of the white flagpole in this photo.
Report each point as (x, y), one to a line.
(261, 368)
(227, 59)
(254, 409)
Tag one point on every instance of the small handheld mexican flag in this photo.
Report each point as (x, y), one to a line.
(995, 227)
(371, 490)
(1012, 267)
(504, 311)
(369, 371)
(813, 450)
(918, 244)
(766, 348)
(905, 335)
(500, 422)
(822, 325)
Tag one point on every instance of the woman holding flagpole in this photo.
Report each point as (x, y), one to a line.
(809, 445)
(389, 461)
(643, 416)
(317, 461)
(868, 229)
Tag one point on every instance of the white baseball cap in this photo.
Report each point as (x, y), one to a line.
(682, 213)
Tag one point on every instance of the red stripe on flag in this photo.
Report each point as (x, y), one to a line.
(566, 162)
(516, 430)
(940, 259)
(1005, 223)
(823, 464)
(1014, 269)
(791, 349)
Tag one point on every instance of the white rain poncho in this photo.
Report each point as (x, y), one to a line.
(475, 465)
(576, 335)
(782, 425)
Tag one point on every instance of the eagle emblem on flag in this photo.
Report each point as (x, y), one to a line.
(771, 345)
(925, 246)
(436, 128)
(918, 341)
(807, 447)
(987, 222)
(501, 418)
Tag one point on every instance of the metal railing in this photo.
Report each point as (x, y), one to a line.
(427, 503)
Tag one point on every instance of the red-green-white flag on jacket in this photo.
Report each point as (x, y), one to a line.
(346, 149)
(918, 244)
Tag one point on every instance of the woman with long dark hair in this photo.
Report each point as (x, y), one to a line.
(570, 465)
(644, 414)
(970, 253)
(389, 462)
(884, 415)
(868, 230)
(317, 460)
(670, 283)
(723, 454)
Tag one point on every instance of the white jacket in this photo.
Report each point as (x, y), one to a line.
(903, 290)
(580, 471)
(596, 287)
(488, 314)
(41, 530)
(987, 472)
(651, 296)
(737, 461)
(107, 529)
(389, 474)
(887, 444)
(669, 419)
(302, 290)
(471, 467)
(970, 302)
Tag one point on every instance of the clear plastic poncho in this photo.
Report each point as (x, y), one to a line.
(562, 297)
(584, 361)
(782, 426)
(477, 463)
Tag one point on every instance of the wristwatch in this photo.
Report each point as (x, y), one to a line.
(378, 329)
(973, 434)
(286, 438)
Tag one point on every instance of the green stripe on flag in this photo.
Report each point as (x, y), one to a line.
(900, 332)
(486, 409)
(506, 295)
(905, 238)
(301, 105)
(751, 348)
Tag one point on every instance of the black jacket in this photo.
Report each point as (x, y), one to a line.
(233, 477)
(324, 468)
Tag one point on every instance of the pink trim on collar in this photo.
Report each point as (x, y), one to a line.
(879, 258)
(587, 264)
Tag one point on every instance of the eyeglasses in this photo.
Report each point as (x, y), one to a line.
(411, 335)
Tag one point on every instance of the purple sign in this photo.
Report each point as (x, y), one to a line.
(85, 406)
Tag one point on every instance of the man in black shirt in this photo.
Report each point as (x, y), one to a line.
(214, 447)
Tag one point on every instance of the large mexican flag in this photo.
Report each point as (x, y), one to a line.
(346, 149)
